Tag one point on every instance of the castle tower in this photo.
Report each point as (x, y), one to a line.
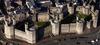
(88, 24)
(9, 28)
(95, 18)
(70, 9)
(31, 34)
(79, 26)
(55, 28)
(55, 25)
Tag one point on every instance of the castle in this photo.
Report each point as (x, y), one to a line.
(55, 18)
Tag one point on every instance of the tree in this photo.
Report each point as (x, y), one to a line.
(84, 16)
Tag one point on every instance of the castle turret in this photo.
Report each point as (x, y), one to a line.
(30, 33)
(95, 18)
(79, 26)
(55, 25)
(9, 28)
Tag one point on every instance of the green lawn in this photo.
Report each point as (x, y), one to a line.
(39, 24)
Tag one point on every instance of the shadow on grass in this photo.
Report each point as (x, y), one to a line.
(69, 19)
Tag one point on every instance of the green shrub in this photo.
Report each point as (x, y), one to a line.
(84, 16)
(88, 18)
(81, 15)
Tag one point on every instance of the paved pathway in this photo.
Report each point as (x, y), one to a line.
(84, 39)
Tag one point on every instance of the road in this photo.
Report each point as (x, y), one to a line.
(84, 39)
